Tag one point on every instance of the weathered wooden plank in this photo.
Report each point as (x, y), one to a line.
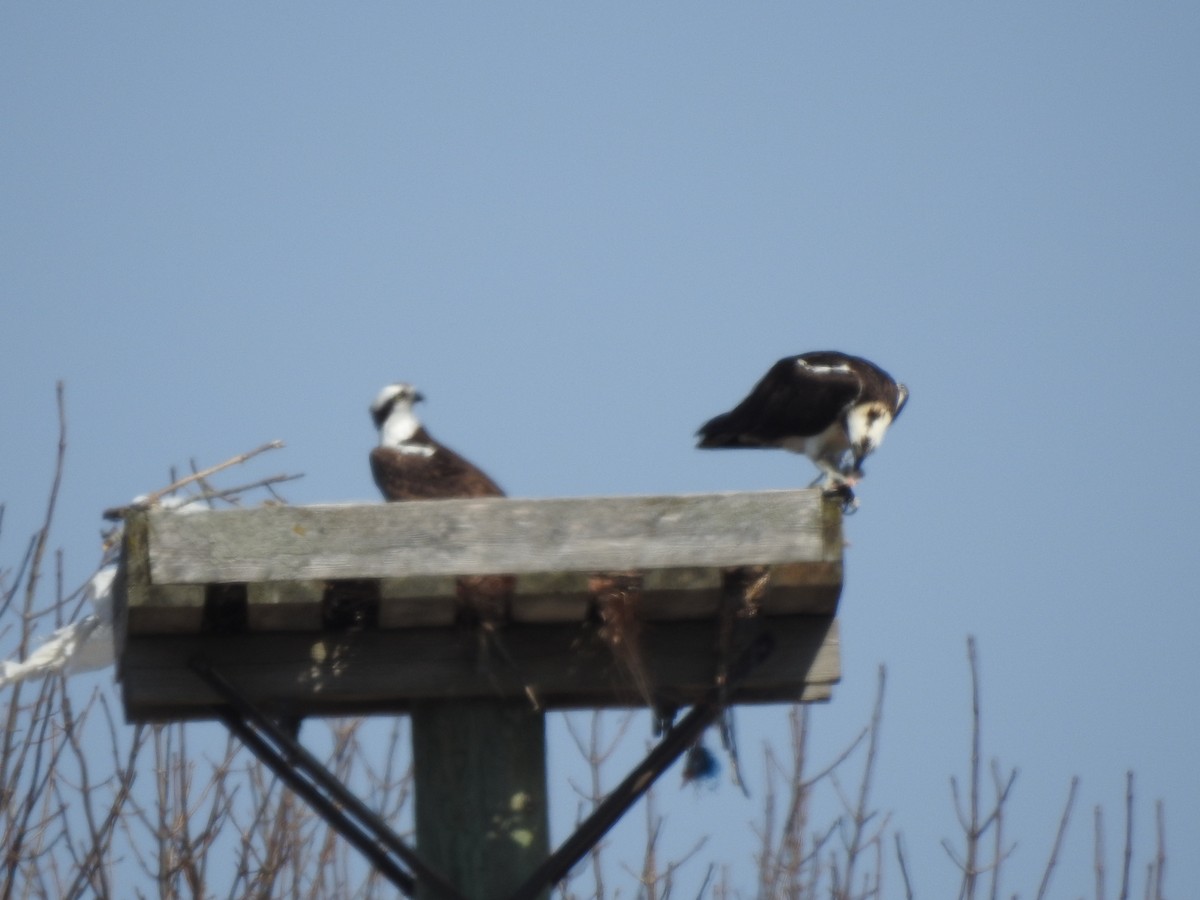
(568, 666)
(284, 606)
(155, 609)
(551, 597)
(476, 537)
(430, 600)
(423, 601)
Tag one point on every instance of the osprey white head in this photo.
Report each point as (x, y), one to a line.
(394, 416)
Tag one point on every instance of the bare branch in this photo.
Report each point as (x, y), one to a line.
(971, 818)
(233, 493)
(43, 535)
(1124, 894)
(1062, 830)
(908, 891)
(973, 832)
(1160, 856)
(153, 497)
(860, 814)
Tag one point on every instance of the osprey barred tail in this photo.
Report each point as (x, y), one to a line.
(832, 407)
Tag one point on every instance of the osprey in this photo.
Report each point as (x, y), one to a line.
(832, 407)
(408, 464)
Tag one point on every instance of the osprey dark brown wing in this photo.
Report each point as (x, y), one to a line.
(440, 475)
(798, 397)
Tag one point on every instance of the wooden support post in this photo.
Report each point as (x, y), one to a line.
(481, 803)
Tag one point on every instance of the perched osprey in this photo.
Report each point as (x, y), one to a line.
(408, 464)
(832, 407)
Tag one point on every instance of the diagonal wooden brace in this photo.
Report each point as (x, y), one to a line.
(328, 797)
(669, 749)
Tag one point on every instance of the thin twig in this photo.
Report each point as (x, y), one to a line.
(973, 830)
(1124, 895)
(1160, 858)
(908, 891)
(150, 499)
(233, 492)
(43, 535)
(860, 814)
(1058, 838)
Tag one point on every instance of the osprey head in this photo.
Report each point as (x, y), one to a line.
(400, 395)
(866, 424)
(393, 414)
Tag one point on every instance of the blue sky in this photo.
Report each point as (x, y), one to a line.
(584, 229)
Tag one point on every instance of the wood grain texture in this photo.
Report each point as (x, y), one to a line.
(477, 537)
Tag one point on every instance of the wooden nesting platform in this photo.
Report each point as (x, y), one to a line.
(340, 610)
